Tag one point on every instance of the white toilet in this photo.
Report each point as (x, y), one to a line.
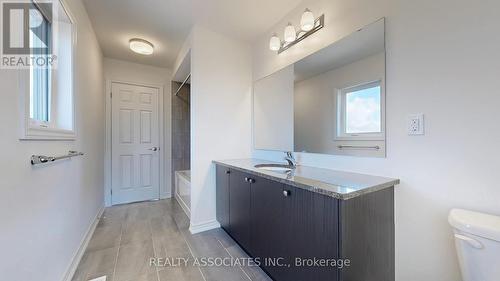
(477, 239)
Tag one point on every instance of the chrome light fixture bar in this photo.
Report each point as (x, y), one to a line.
(275, 44)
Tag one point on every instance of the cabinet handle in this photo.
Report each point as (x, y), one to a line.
(251, 180)
(228, 172)
(246, 179)
(286, 193)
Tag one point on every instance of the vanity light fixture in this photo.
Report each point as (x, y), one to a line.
(141, 46)
(290, 33)
(308, 26)
(307, 20)
(275, 43)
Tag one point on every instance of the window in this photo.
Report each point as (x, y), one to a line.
(40, 77)
(360, 112)
(49, 109)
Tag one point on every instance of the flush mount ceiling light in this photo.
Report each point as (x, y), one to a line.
(308, 26)
(141, 46)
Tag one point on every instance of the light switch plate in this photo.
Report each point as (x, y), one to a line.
(415, 124)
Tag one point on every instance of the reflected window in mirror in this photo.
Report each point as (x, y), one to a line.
(360, 112)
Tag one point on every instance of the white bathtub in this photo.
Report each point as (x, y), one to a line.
(183, 190)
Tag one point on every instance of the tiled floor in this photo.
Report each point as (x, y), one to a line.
(128, 236)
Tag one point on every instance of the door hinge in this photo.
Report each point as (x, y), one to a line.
(111, 94)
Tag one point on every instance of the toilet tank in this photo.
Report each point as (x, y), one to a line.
(477, 240)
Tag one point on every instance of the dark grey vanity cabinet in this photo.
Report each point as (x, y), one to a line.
(267, 224)
(222, 196)
(312, 232)
(279, 224)
(239, 208)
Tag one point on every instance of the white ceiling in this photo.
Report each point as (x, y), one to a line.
(166, 23)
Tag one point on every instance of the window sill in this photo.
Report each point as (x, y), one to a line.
(40, 133)
(359, 138)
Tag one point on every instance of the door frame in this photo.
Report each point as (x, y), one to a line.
(162, 192)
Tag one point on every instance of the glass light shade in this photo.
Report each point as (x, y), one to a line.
(290, 33)
(307, 20)
(274, 43)
(141, 46)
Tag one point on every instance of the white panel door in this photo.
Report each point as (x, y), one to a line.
(135, 149)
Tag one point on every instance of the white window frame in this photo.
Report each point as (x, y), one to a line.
(340, 131)
(31, 129)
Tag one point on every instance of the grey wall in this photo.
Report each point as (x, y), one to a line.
(180, 129)
(45, 211)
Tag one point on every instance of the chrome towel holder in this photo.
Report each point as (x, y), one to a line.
(376, 147)
(41, 159)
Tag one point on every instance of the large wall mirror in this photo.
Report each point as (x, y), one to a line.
(331, 102)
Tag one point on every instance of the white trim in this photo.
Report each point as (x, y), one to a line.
(178, 198)
(202, 227)
(183, 205)
(75, 261)
(33, 130)
(107, 152)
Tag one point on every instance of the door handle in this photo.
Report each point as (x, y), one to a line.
(154, 148)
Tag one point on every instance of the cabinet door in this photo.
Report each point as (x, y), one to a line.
(312, 231)
(239, 208)
(222, 195)
(267, 219)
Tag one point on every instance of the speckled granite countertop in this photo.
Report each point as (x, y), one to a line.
(337, 184)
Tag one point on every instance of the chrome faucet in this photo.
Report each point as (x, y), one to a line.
(290, 159)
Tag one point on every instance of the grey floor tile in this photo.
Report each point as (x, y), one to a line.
(115, 214)
(181, 273)
(215, 273)
(254, 272)
(134, 261)
(223, 237)
(96, 263)
(136, 231)
(181, 219)
(168, 240)
(158, 229)
(176, 247)
(106, 236)
(152, 276)
(203, 244)
(137, 212)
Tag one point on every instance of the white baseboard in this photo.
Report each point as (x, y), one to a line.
(204, 227)
(83, 246)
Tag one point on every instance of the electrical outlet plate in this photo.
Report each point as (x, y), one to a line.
(415, 124)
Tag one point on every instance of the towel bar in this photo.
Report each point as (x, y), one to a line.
(41, 159)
